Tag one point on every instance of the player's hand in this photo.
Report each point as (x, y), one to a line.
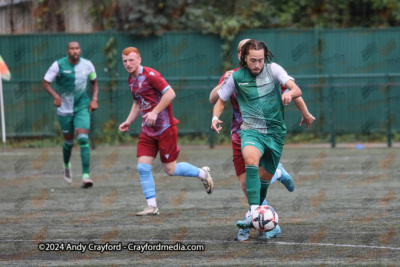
(227, 74)
(93, 105)
(124, 127)
(150, 118)
(286, 98)
(57, 101)
(215, 125)
(308, 119)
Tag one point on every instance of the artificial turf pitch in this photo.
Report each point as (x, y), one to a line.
(344, 210)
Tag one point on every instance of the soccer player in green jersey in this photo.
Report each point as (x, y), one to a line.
(73, 105)
(257, 87)
(281, 174)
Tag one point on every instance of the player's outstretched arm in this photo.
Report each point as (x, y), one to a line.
(307, 117)
(95, 91)
(50, 90)
(218, 109)
(135, 112)
(294, 92)
(166, 99)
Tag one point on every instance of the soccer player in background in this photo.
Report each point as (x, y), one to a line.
(238, 160)
(263, 130)
(152, 97)
(73, 105)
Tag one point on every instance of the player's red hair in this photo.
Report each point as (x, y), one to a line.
(129, 50)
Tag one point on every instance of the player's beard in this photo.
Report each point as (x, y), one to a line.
(74, 58)
(255, 74)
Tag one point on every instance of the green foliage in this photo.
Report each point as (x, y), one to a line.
(110, 53)
(227, 18)
(113, 135)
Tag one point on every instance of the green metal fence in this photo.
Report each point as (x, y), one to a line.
(349, 77)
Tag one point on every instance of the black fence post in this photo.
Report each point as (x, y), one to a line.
(332, 111)
(389, 120)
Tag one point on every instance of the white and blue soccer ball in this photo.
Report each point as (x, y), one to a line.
(265, 218)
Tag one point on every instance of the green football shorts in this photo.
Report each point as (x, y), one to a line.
(271, 147)
(80, 119)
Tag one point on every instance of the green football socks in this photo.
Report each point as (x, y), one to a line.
(83, 141)
(263, 190)
(67, 151)
(253, 185)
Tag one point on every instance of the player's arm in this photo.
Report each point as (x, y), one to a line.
(307, 117)
(95, 92)
(228, 88)
(50, 90)
(166, 99)
(51, 74)
(218, 109)
(95, 88)
(294, 92)
(280, 75)
(133, 115)
(214, 93)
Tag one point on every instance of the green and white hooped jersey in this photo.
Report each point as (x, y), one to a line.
(71, 83)
(259, 98)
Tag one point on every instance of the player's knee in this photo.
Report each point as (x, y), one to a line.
(83, 140)
(251, 161)
(169, 169)
(69, 143)
(144, 169)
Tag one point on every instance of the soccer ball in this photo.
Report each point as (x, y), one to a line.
(264, 218)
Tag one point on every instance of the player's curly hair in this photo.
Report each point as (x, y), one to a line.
(255, 45)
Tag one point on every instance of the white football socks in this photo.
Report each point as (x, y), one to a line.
(253, 208)
(279, 173)
(202, 174)
(248, 213)
(152, 202)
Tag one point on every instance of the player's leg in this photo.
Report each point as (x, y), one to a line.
(67, 151)
(82, 126)
(268, 165)
(251, 155)
(146, 152)
(148, 185)
(67, 128)
(282, 175)
(265, 179)
(285, 178)
(269, 162)
(240, 169)
(243, 234)
(169, 152)
(83, 141)
(238, 163)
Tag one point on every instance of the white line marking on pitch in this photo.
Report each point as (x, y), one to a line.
(335, 245)
(210, 242)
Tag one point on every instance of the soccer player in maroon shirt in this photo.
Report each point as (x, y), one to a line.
(238, 161)
(152, 98)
